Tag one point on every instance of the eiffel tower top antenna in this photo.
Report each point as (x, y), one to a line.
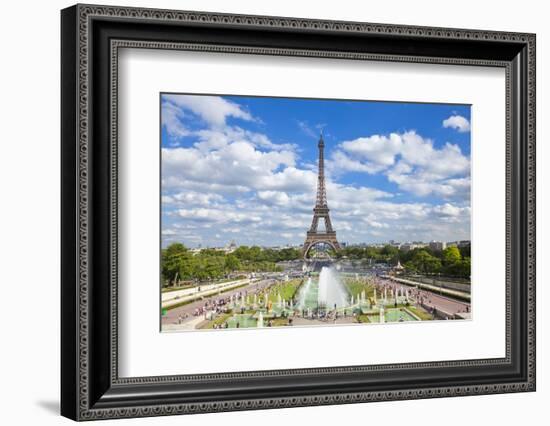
(321, 190)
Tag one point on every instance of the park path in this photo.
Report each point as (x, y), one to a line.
(170, 298)
(183, 318)
(190, 324)
(187, 311)
(429, 299)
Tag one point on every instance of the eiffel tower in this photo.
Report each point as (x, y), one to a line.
(320, 211)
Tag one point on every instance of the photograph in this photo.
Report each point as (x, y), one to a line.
(300, 212)
(263, 208)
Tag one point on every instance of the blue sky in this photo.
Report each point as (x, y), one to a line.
(244, 169)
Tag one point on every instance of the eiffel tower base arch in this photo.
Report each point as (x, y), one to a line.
(314, 238)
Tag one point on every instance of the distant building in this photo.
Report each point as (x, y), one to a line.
(438, 245)
(464, 243)
(461, 243)
(413, 245)
(229, 248)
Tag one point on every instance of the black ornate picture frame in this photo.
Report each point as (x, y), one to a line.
(90, 38)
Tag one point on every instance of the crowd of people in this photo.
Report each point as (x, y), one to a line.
(215, 305)
(210, 308)
(423, 298)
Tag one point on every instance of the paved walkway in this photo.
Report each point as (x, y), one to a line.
(434, 288)
(186, 312)
(184, 318)
(171, 298)
(190, 324)
(427, 299)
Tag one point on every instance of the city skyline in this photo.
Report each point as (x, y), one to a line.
(245, 168)
(344, 244)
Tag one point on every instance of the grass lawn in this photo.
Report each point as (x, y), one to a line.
(355, 287)
(220, 319)
(287, 290)
(420, 313)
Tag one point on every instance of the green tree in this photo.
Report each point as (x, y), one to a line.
(389, 251)
(452, 261)
(288, 253)
(174, 262)
(243, 253)
(410, 266)
(465, 251)
(232, 263)
(451, 255)
(426, 263)
(465, 270)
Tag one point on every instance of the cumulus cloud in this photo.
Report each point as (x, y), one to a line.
(172, 120)
(409, 160)
(218, 215)
(457, 122)
(218, 138)
(191, 198)
(237, 163)
(277, 198)
(342, 162)
(212, 109)
(448, 210)
(376, 150)
(358, 215)
(226, 181)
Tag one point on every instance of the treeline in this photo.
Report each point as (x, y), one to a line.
(448, 262)
(178, 263)
(258, 254)
(453, 261)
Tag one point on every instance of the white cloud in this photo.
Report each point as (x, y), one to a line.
(457, 122)
(287, 235)
(218, 138)
(450, 212)
(235, 164)
(409, 160)
(269, 217)
(232, 183)
(212, 109)
(172, 120)
(378, 153)
(277, 198)
(376, 150)
(191, 198)
(341, 162)
(219, 215)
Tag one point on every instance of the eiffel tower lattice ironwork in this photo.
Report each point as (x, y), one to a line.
(320, 211)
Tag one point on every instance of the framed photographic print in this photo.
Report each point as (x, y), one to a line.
(263, 212)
